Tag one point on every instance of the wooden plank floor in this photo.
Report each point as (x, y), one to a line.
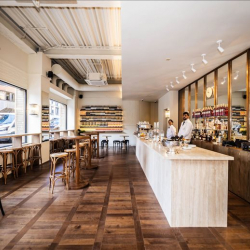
(117, 211)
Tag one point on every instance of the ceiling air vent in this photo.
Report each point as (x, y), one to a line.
(96, 79)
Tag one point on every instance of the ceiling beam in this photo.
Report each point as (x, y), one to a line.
(16, 36)
(62, 3)
(103, 54)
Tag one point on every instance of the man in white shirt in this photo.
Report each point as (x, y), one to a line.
(186, 127)
(171, 131)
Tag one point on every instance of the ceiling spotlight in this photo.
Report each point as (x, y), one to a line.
(203, 59)
(183, 75)
(171, 84)
(167, 88)
(236, 75)
(177, 80)
(192, 68)
(221, 50)
(224, 80)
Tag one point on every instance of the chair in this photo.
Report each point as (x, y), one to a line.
(1, 207)
(64, 174)
(116, 143)
(27, 156)
(5, 168)
(71, 160)
(103, 142)
(36, 153)
(18, 159)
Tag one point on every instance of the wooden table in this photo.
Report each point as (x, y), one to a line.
(124, 138)
(78, 182)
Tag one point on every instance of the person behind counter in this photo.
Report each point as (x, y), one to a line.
(171, 131)
(186, 127)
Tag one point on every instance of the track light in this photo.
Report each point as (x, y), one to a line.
(192, 68)
(221, 50)
(177, 80)
(167, 88)
(183, 75)
(236, 75)
(203, 59)
(171, 84)
(224, 80)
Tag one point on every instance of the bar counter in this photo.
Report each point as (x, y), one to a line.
(191, 187)
(239, 168)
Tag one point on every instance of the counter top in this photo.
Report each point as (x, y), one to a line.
(192, 154)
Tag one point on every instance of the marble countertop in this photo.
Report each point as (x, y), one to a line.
(192, 154)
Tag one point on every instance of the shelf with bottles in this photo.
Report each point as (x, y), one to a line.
(101, 108)
(216, 111)
(45, 118)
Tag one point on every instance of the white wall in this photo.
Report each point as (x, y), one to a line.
(13, 64)
(170, 101)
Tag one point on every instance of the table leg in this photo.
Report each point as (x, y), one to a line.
(77, 162)
(90, 166)
(78, 183)
(97, 146)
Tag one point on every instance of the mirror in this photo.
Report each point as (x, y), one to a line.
(210, 90)
(239, 118)
(192, 102)
(222, 88)
(186, 100)
(200, 93)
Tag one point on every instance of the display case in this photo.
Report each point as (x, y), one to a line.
(101, 118)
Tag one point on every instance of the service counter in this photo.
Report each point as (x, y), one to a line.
(191, 186)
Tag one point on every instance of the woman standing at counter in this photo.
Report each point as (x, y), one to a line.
(171, 131)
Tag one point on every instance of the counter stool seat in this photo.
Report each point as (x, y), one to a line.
(5, 168)
(64, 174)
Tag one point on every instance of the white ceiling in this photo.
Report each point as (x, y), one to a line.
(79, 38)
(181, 30)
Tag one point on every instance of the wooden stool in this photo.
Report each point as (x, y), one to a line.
(5, 169)
(53, 145)
(71, 160)
(81, 148)
(27, 156)
(18, 156)
(36, 153)
(94, 147)
(64, 175)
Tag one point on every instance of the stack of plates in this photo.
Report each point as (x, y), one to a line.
(188, 147)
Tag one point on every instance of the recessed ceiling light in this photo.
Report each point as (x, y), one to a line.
(168, 59)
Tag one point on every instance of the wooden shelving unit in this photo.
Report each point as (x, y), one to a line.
(45, 118)
(101, 119)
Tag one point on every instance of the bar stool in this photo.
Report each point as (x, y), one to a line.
(27, 156)
(94, 147)
(36, 153)
(18, 156)
(64, 174)
(53, 145)
(82, 150)
(103, 142)
(1, 207)
(116, 143)
(5, 169)
(60, 145)
(71, 160)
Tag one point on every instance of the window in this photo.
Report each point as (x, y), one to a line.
(58, 115)
(12, 112)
